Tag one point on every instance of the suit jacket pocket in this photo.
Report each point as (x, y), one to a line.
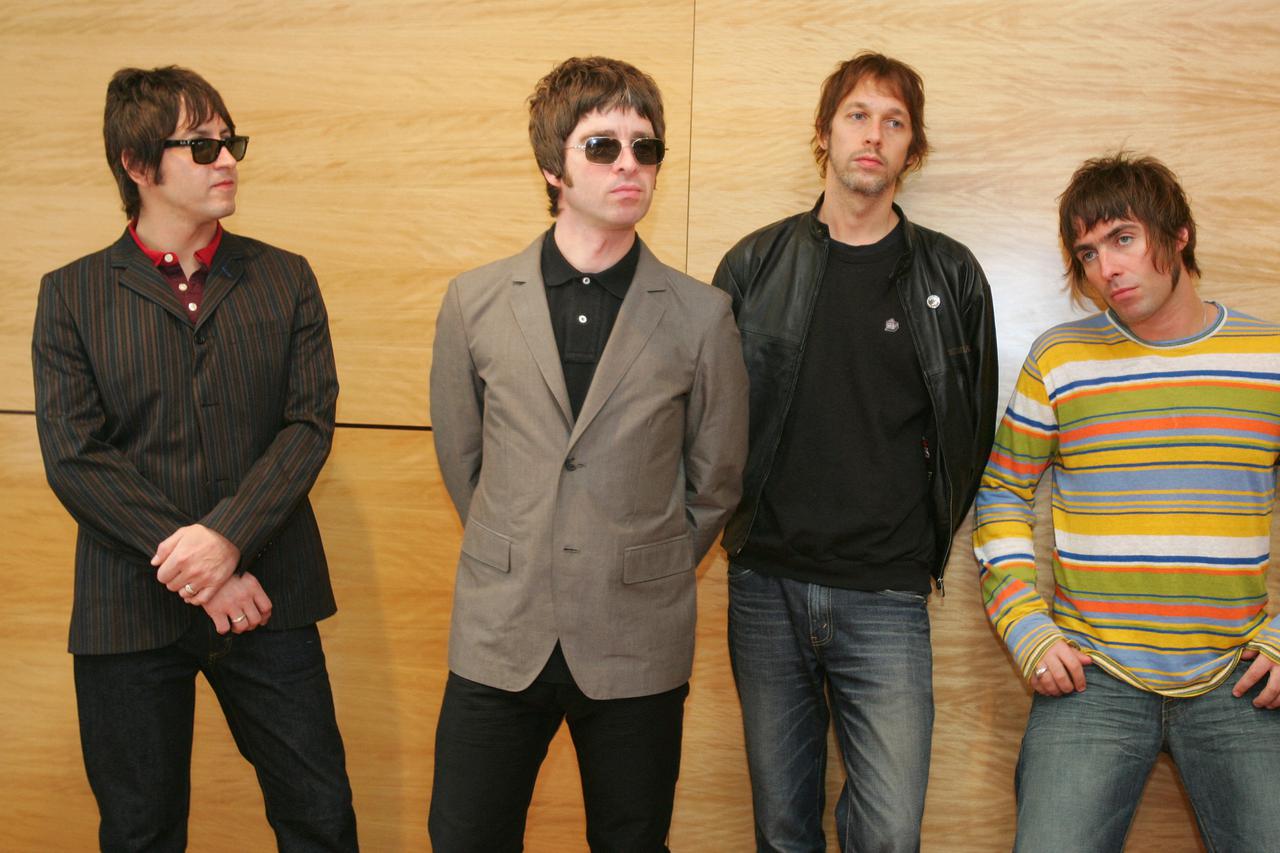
(487, 546)
(642, 563)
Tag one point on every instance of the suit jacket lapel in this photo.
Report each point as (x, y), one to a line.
(638, 317)
(529, 304)
(224, 275)
(137, 273)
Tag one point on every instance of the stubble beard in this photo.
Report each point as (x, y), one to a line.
(864, 185)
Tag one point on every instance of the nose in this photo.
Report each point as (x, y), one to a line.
(1108, 267)
(626, 161)
(224, 158)
(872, 133)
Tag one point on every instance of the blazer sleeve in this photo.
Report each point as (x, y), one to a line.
(457, 404)
(101, 488)
(715, 439)
(281, 477)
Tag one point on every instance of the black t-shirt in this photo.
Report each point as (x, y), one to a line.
(847, 499)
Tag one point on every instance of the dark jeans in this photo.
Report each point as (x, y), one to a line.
(136, 716)
(805, 655)
(490, 744)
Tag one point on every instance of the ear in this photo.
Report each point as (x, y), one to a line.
(139, 175)
(1183, 236)
(552, 179)
(824, 139)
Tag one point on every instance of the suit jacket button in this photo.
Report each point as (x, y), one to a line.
(569, 466)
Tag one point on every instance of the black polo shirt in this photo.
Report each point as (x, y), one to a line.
(583, 309)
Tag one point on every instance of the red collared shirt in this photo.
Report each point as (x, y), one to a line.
(188, 291)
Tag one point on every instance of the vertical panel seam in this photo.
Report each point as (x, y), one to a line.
(688, 181)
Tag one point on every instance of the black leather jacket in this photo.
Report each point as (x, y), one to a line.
(773, 276)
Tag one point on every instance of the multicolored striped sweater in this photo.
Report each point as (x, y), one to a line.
(1164, 477)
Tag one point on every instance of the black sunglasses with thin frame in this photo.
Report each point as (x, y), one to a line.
(205, 150)
(605, 150)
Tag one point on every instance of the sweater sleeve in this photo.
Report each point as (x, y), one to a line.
(1004, 514)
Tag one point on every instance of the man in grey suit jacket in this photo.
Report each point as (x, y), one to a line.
(589, 411)
(185, 394)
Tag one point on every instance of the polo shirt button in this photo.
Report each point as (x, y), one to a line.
(586, 279)
(168, 258)
(183, 287)
(582, 318)
(191, 306)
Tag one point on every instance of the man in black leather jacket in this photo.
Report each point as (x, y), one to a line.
(870, 345)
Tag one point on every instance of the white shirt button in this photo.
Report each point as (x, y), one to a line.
(191, 306)
(586, 279)
(182, 286)
(168, 258)
(582, 318)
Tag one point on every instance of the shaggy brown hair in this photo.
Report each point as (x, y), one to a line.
(142, 111)
(577, 87)
(1121, 186)
(898, 77)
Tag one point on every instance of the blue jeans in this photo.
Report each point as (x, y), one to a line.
(136, 714)
(800, 651)
(1086, 758)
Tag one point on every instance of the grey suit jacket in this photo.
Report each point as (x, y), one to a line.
(589, 531)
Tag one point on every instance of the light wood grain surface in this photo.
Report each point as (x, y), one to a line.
(389, 147)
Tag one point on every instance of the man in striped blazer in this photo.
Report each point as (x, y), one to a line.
(1161, 420)
(185, 395)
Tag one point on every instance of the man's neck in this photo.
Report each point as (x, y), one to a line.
(856, 219)
(182, 238)
(592, 250)
(1184, 316)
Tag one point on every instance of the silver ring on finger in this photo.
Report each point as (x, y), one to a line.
(1041, 670)
(239, 618)
(191, 590)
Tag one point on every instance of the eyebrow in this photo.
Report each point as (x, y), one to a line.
(613, 135)
(1123, 226)
(897, 112)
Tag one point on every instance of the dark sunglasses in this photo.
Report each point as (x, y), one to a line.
(606, 150)
(205, 150)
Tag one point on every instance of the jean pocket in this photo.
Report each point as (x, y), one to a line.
(737, 570)
(903, 595)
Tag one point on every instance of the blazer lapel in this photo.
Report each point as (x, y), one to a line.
(529, 304)
(137, 273)
(224, 275)
(638, 317)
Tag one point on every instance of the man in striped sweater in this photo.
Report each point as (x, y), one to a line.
(1160, 418)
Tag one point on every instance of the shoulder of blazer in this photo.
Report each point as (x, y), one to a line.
(239, 246)
(521, 266)
(95, 264)
(695, 295)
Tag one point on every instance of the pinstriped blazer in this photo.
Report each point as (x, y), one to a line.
(148, 423)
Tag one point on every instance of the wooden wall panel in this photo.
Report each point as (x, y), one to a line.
(389, 147)
(45, 803)
(1017, 96)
